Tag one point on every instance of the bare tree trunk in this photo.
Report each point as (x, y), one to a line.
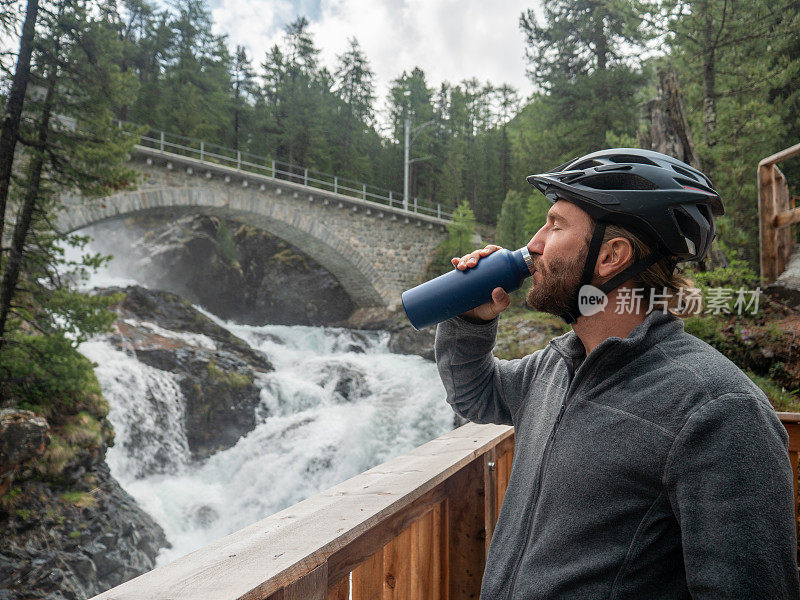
(8, 286)
(709, 79)
(13, 112)
(668, 132)
(667, 128)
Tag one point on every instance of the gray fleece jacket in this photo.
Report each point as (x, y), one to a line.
(651, 469)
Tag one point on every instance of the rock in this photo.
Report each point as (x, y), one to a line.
(235, 271)
(217, 371)
(348, 381)
(73, 542)
(404, 339)
(786, 288)
(23, 436)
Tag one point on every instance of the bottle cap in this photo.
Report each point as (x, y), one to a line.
(526, 256)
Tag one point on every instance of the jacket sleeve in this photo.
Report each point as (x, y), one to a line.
(729, 482)
(480, 387)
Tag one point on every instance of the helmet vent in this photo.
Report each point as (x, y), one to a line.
(695, 184)
(587, 164)
(631, 158)
(617, 181)
(684, 172)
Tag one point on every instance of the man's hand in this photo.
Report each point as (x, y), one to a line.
(500, 299)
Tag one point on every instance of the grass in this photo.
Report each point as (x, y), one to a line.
(290, 259)
(83, 430)
(81, 499)
(231, 380)
(782, 399)
(56, 457)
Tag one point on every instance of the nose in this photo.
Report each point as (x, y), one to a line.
(536, 245)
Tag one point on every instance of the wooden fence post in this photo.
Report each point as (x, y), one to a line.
(467, 553)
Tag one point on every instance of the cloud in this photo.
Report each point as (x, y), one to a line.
(451, 40)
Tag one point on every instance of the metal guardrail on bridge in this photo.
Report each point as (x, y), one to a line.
(263, 165)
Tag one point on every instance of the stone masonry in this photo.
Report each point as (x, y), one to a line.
(376, 252)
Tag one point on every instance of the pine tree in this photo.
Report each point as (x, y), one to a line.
(459, 240)
(356, 89)
(584, 59)
(729, 58)
(70, 142)
(12, 115)
(511, 224)
(195, 98)
(244, 86)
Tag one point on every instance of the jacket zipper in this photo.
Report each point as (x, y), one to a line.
(545, 456)
(529, 521)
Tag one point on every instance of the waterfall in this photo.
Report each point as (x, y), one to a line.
(337, 403)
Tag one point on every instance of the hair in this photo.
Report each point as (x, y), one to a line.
(662, 277)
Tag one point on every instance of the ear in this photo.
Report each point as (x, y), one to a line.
(615, 255)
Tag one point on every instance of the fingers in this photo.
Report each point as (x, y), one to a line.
(501, 298)
(486, 312)
(470, 260)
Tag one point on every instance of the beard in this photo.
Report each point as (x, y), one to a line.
(556, 292)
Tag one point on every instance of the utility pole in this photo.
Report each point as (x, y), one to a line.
(406, 160)
(406, 163)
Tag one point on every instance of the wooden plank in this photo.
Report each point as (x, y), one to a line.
(269, 555)
(788, 417)
(780, 195)
(467, 552)
(781, 156)
(368, 578)
(793, 429)
(430, 551)
(374, 538)
(311, 586)
(786, 218)
(340, 591)
(397, 564)
(504, 463)
(490, 496)
(438, 571)
(766, 233)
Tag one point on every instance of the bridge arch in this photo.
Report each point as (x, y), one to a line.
(374, 252)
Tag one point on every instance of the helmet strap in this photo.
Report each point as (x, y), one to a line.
(631, 271)
(588, 271)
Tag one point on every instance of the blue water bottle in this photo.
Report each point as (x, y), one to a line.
(457, 292)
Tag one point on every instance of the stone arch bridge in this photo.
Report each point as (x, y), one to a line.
(374, 249)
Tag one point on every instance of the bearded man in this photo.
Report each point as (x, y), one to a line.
(646, 464)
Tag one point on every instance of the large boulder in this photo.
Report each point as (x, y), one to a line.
(72, 542)
(235, 271)
(216, 369)
(23, 436)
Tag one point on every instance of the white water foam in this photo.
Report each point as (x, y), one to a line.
(338, 403)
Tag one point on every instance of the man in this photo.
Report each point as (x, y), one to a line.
(647, 465)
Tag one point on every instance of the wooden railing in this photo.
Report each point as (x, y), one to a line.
(415, 528)
(791, 421)
(776, 214)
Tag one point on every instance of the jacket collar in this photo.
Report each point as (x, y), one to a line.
(656, 326)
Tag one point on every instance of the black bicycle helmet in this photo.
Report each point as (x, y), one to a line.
(665, 201)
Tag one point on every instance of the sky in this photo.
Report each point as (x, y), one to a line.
(450, 40)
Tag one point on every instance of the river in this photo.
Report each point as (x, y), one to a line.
(306, 438)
